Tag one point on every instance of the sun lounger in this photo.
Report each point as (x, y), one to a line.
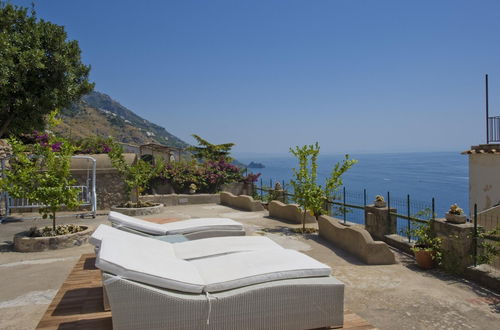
(267, 289)
(200, 248)
(191, 229)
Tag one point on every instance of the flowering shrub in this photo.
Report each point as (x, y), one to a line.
(184, 173)
(208, 177)
(220, 172)
(96, 145)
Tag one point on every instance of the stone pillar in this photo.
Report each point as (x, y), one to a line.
(279, 193)
(378, 223)
(5, 152)
(457, 243)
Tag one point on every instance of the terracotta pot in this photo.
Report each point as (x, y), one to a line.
(424, 259)
(456, 218)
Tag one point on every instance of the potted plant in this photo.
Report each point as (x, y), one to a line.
(427, 247)
(455, 214)
(379, 201)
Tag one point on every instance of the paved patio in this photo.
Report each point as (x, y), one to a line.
(389, 297)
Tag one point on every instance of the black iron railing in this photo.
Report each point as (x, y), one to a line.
(493, 129)
(348, 206)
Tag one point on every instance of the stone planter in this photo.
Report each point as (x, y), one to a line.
(138, 211)
(456, 218)
(424, 259)
(380, 204)
(23, 243)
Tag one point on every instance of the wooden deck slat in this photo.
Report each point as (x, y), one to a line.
(78, 303)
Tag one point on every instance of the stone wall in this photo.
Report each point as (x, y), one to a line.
(356, 241)
(241, 202)
(457, 239)
(110, 188)
(238, 188)
(290, 212)
(182, 199)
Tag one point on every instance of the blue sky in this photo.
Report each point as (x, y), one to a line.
(357, 76)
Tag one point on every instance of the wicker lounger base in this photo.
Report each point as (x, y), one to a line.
(306, 303)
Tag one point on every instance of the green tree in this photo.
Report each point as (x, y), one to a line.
(40, 70)
(138, 175)
(211, 152)
(310, 195)
(41, 173)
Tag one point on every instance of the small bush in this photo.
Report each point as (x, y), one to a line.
(59, 230)
(96, 145)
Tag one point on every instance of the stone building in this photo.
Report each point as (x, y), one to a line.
(484, 176)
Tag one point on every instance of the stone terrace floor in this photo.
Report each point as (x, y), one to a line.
(397, 296)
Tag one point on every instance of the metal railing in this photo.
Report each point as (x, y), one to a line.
(348, 206)
(493, 129)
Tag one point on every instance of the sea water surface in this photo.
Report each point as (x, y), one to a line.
(422, 175)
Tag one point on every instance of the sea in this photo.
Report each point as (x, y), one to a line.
(421, 175)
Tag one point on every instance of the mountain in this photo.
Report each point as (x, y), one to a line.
(98, 114)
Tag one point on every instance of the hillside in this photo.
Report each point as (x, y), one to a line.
(98, 114)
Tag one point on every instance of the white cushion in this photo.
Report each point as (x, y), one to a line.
(136, 223)
(148, 263)
(201, 224)
(241, 269)
(176, 227)
(99, 233)
(104, 231)
(201, 248)
(222, 245)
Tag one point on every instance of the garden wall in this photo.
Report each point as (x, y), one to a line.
(110, 187)
(182, 199)
(242, 202)
(290, 212)
(356, 241)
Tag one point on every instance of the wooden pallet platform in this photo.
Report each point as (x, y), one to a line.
(78, 303)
